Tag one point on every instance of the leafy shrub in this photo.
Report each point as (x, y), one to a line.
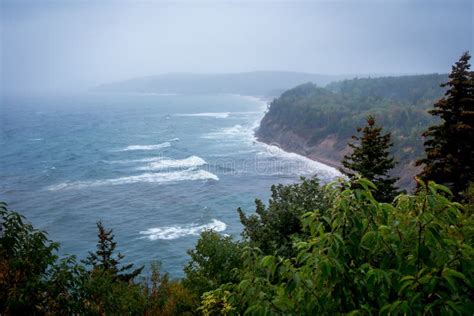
(366, 257)
(212, 262)
(168, 297)
(272, 228)
(32, 279)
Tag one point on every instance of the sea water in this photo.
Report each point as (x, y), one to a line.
(157, 169)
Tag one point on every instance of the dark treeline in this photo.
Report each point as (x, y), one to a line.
(356, 246)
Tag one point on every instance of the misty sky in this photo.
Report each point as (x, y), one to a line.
(73, 45)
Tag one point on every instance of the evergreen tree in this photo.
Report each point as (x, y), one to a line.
(371, 159)
(449, 146)
(103, 259)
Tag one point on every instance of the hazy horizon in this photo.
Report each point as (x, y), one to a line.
(60, 46)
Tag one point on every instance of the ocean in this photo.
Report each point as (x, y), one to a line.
(157, 169)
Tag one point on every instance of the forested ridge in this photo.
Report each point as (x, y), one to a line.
(356, 246)
(315, 115)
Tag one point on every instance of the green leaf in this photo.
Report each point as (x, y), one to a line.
(267, 261)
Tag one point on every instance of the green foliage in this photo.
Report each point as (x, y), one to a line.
(168, 297)
(469, 198)
(104, 294)
(272, 228)
(32, 280)
(212, 262)
(449, 146)
(366, 257)
(108, 287)
(104, 258)
(216, 303)
(370, 159)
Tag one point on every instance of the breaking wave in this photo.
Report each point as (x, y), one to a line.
(234, 132)
(178, 231)
(192, 161)
(146, 147)
(159, 178)
(299, 164)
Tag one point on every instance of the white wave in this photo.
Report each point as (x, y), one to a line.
(207, 114)
(35, 139)
(231, 133)
(146, 147)
(239, 132)
(174, 139)
(192, 161)
(177, 231)
(302, 164)
(160, 178)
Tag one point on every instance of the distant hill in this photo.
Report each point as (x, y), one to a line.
(268, 83)
(319, 122)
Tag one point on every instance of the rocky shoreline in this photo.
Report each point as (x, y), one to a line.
(329, 151)
(276, 135)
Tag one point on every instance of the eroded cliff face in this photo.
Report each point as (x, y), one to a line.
(277, 134)
(330, 150)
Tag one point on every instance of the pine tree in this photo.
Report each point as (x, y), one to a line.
(449, 146)
(105, 260)
(371, 159)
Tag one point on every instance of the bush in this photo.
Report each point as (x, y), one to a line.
(366, 257)
(168, 297)
(212, 263)
(32, 279)
(272, 228)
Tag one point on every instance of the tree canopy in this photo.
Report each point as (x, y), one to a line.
(273, 228)
(449, 146)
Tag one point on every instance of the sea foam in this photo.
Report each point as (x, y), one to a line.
(234, 132)
(159, 178)
(147, 147)
(192, 161)
(303, 165)
(178, 231)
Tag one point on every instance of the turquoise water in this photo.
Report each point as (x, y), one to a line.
(158, 169)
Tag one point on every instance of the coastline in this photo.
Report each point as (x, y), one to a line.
(325, 152)
(313, 156)
(283, 145)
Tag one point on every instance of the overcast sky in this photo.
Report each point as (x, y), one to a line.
(73, 45)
